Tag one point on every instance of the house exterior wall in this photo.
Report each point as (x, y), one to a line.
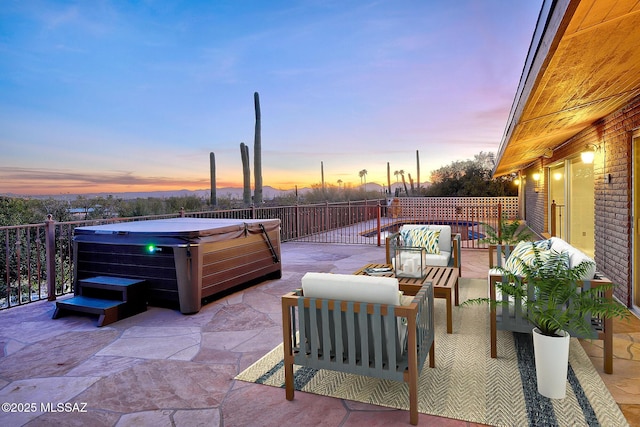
(613, 200)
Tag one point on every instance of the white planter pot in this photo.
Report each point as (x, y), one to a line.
(552, 361)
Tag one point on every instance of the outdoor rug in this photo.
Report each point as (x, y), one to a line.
(466, 383)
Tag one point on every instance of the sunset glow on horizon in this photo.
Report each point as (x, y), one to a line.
(114, 97)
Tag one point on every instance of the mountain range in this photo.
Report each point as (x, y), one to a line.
(229, 192)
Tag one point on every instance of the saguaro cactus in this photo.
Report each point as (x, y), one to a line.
(388, 178)
(246, 174)
(257, 153)
(418, 165)
(212, 169)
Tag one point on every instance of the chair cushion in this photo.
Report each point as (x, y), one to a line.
(439, 260)
(349, 287)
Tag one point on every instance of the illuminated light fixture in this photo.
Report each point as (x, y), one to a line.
(589, 154)
(557, 176)
(536, 176)
(517, 181)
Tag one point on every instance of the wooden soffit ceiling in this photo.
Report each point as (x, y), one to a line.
(584, 65)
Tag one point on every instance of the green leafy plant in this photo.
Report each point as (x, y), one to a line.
(551, 292)
(510, 233)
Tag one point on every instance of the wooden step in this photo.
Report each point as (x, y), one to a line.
(108, 282)
(111, 298)
(109, 311)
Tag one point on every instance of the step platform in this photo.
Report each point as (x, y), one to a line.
(111, 298)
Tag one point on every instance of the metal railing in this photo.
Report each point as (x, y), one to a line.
(37, 259)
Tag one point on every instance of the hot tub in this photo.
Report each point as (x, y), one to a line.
(183, 260)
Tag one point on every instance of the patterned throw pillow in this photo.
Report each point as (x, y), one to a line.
(523, 254)
(406, 237)
(543, 244)
(426, 238)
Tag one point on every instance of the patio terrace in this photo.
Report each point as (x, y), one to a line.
(164, 368)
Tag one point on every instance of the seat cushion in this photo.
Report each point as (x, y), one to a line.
(438, 260)
(350, 287)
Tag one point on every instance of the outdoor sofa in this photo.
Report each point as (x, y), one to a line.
(511, 316)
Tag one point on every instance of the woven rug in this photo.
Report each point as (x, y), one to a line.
(466, 383)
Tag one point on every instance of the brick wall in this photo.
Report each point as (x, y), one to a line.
(613, 253)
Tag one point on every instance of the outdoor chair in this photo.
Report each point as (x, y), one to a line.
(359, 325)
(441, 247)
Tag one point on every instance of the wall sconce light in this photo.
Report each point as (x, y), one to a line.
(589, 154)
(517, 182)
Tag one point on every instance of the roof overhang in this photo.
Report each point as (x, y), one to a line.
(583, 64)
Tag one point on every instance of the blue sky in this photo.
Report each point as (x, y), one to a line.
(132, 96)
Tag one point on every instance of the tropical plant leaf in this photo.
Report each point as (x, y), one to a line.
(558, 301)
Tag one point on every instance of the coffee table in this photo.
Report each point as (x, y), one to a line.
(443, 279)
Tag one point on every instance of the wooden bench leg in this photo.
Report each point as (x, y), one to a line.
(608, 346)
(449, 313)
(494, 333)
(457, 292)
(413, 400)
(288, 380)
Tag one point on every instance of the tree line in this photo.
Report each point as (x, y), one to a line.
(467, 178)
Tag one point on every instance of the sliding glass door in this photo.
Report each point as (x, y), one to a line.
(571, 186)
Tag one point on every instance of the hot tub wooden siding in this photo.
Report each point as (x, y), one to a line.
(194, 258)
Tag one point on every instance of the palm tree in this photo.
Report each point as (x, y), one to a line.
(363, 174)
(339, 183)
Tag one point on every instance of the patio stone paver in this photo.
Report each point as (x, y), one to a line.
(61, 353)
(179, 343)
(160, 418)
(248, 404)
(195, 418)
(40, 391)
(161, 384)
(91, 418)
(238, 317)
(103, 366)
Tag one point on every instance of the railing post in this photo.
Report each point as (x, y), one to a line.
(253, 212)
(50, 251)
(379, 213)
(326, 216)
(181, 212)
(500, 221)
(297, 212)
(553, 218)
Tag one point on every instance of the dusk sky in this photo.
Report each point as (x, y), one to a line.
(116, 96)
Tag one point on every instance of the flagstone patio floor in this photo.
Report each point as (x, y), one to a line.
(163, 368)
